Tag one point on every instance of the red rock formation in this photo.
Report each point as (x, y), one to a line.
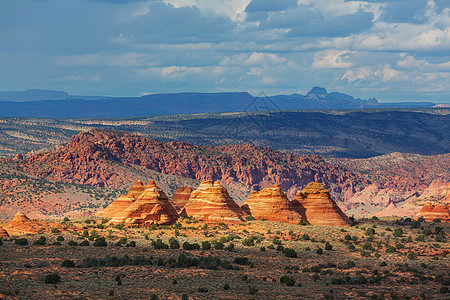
(211, 203)
(118, 206)
(320, 208)
(430, 212)
(152, 207)
(3, 233)
(21, 224)
(137, 189)
(181, 197)
(95, 157)
(271, 204)
(435, 189)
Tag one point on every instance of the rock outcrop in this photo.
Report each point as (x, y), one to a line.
(271, 204)
(3, 233)
(429, 212)
(211, 203)
(117, 207)
(21, 224)
(181, 197)
(137, 189)
(318, 206)
(152, 207)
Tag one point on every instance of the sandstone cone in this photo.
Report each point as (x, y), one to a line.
(137, 189)
(430, 212)
(20, 224)
(211, 203)
(3, 233)
(152, 207)
(181, 197)
(117, 207)
(320, 208)
(271, 204)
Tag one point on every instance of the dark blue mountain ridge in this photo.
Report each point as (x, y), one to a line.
(57, 104)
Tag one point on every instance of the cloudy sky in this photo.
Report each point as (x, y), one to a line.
(394, 50)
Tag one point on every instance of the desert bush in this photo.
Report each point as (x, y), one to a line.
(241, 261)
(230, 247)
(52, 278)
(319, 251)
(288, 252)
(276, 241)
(21, 241)
(370, 231)
(55, 230)
(244, 277)
(348, 237)
(84, 243)
(1, 242)
(185, 297)
(132, 244)
(249, 241)
(287, 280)
(390, 249)
(398, 232)
(206, 245)
(68, 264)
(173, 243)
(328, 246)
(305, 237)
(444, 290)
(226, 286)
(72, 243)
(410, 255)
(122, 241)
(100, 242)
(60, 238)
(41, 241)
(202, 290)
(189, 246)
(158, 244)
(218, 245)
(262, 248)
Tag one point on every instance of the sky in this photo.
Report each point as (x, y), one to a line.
(392, 50)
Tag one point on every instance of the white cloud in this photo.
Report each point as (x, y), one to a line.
(332, 59)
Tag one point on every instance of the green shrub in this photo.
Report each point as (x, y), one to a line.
(226, 286)
(173, 243)
(202, 290)
(22, 241)
(218, 245)
(390, 249)
(305, 237)
(122, 241)
(100, 242)
(410, 255)
(370, 231)
(397, 232)
(154, 297)
(158, 244)
(244, 277)
(185, 297)
(287, 280)
(206, 245)
(319, 251)
(230, 247)
(60, 239)
(241, 261)
(68, 264)
(41, 241)
(328, 246)
(288, 252)
(132, 244)
(1, 242)
(262, 248)
(249, 241)
(348, 237)
(189, 246)
(52, 279)
(84, 243)
(72, 243)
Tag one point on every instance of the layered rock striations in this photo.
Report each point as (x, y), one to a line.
(152, 207)
(211, 203)
(315, 202)
(21, 224)
(117, 207)
(3, 233)
(181, 197)
(271, 204)
(430, 212)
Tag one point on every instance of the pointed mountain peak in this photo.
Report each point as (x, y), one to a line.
(317, 91)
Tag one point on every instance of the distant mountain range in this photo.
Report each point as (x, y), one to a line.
(59, 104)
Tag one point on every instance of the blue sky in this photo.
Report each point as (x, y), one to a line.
(393, 50)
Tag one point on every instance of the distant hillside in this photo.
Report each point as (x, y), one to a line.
(55, 104)
(329, 133)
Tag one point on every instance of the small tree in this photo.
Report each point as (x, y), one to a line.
(52, 279)
(328, 246)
